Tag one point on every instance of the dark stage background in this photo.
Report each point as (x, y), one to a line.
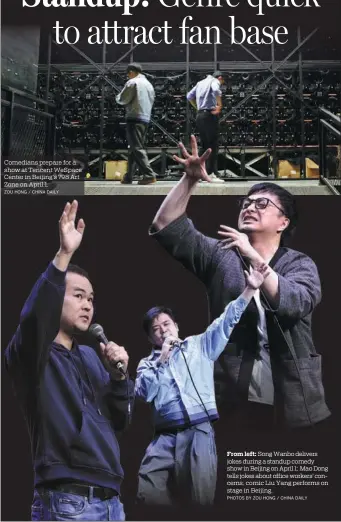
(131, 273)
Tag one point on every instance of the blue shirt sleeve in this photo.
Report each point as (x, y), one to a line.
(147, 381)
(215, 86)
(215, 338)
(192, 93)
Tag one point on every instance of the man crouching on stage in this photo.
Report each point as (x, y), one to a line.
(73, 404)
(177, 379)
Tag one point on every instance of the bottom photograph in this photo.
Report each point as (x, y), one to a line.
(171, 361)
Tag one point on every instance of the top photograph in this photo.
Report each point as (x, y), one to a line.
(113, 107)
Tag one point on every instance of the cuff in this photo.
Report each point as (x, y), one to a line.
(242, 303)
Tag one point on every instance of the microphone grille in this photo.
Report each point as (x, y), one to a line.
(96, 330)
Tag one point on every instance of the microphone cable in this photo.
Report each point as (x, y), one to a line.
(128, 395)
(189, 373)
(129, 398)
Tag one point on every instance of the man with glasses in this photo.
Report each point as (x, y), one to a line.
(258, 378)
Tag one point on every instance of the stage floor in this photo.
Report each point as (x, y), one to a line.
(230, 188)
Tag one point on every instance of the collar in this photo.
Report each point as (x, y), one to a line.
(62, 348)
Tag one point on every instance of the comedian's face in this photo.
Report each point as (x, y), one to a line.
(262, 212)
(162, 326)
(78, 307)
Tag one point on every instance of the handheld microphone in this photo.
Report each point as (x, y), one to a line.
(177, 343)
(97, 331)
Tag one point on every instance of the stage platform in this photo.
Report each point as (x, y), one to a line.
(229, 188)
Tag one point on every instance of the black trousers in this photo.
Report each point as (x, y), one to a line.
(137, 156)
(208, 128)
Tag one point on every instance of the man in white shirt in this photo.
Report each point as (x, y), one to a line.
(205, 97)
(138, 97)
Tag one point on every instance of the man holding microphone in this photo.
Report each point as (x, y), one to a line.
(74, 402)
(180, 463)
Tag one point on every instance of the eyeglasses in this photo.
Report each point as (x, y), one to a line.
(260, 203)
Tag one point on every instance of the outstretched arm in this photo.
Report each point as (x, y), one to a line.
(214, 340)
(40, 316)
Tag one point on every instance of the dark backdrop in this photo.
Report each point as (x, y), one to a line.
(131, 273)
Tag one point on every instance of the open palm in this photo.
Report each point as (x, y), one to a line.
(193, 163)
(256, 278)
(70, 234)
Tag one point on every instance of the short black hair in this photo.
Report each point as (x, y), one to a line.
(134, 67)
(154, 312)
(287, 201)
(75, 269)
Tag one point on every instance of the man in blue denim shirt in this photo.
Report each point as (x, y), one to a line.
(177, 379)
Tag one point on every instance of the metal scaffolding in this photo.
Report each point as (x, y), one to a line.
(243, 162)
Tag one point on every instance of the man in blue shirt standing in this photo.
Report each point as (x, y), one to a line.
(177, 379)
(205, 97)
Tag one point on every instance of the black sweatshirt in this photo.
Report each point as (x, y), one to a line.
(72, 407)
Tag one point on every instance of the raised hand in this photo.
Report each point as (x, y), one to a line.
(256, 278)
(193, 163)
(70, 235)
(112, 353)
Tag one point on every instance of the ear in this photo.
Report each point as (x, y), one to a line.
(177, 327)
(284, 225)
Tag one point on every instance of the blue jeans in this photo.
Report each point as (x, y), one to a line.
(55, 505)
(180, 467)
